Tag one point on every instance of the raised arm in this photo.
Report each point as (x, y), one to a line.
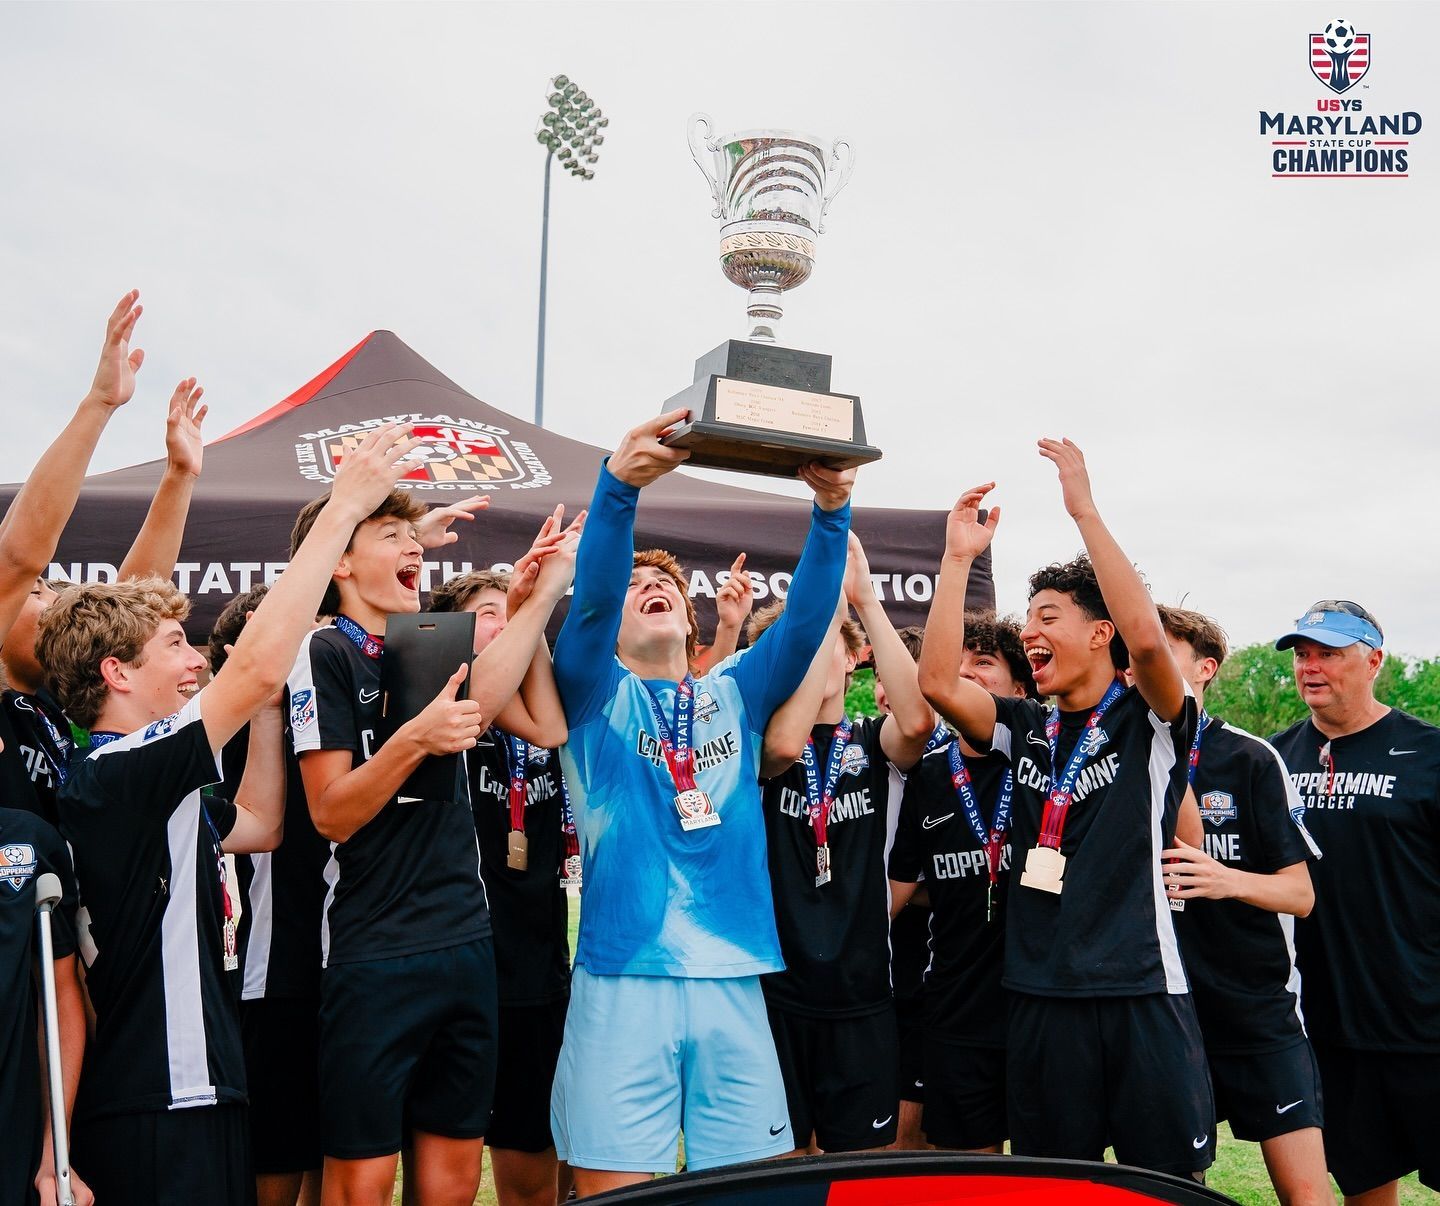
(778, 661)
(966, 705)
(733, 603)
(1132, 610)
(584, 650)
(38, 515)
(266, 649)
(790, 724)
(905, 731)
(157, 545)
(260, 795)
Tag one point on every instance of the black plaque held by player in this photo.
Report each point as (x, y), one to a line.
(758, 408)
(421, 653)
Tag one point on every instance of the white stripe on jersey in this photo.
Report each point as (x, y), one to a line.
(1292, 982)
(894, 793)
(1162, 762)
(262, 927)
(332, 878)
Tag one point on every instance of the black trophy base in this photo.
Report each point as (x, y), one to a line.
(757, 408)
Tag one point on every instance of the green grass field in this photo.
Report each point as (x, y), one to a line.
(1239, 1168)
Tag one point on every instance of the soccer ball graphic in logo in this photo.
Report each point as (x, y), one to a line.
(432, 454)
(1339, 56)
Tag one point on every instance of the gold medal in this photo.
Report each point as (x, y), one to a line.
(1044, 869)
(517, 857)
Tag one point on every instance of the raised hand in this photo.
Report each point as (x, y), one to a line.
(641, 457)
(832, 486)
(184, 445)
(370, 470)
(965, 536)
(1074, 477)
(448, 725)
(858, 587)
(432, 529)
(114, 383)
(734, 600)
(549, 541)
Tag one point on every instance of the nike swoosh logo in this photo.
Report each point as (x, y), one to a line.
(1286, 1109)
(1197, 1144)
(1040, 741)
(919, 1084)
(369, 696)
(927, 823)
(775, 1130)
(882, 1122)
(1394, 754)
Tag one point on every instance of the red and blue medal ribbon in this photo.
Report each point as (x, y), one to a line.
(821, 797)
(991, 838)
(679, 757)
(1062, 784)
(1200, 728)
(517, 755)
(938, 738)
(371, 646)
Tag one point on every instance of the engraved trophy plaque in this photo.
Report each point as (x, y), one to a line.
(754, 406)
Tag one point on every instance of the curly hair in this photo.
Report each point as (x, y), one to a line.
(396, 505)
(454, 593)
(996, 636)
(231, 623)
(1077, 579)
(666, 563)
(89, 623)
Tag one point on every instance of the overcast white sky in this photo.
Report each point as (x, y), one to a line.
(1062, 221)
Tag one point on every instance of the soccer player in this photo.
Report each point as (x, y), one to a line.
(829, 819)
(405, 904)
(1369, 777)
(954, 833)
(1103, 1046)
(667, 1019)
(518, 797)
(1242, 893)
(160, 1113)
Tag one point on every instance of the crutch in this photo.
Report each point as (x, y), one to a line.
(47, 896)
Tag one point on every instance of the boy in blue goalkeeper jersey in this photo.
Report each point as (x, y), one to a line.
(667, 1022)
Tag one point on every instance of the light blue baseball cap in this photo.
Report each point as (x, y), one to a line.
(1337, 623)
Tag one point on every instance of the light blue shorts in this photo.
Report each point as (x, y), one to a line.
(646, 1057)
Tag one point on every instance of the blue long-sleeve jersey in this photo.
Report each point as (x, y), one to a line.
(661, 901)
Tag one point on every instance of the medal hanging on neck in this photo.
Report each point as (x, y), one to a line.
(57, 745)
(517, 851)
(1044, 864)
(991, 839)
(371, 646)
(230, 923)
(821, 797)
(572, 869)
(1176, 904)
(694, 806)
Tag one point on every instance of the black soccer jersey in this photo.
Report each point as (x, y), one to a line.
(37, 742)
(1241, 959)
(1109, 932)
(963, 1000)
(148, 861)
(834, 938)
(1370, 950)
(529, 910)
(409, 880)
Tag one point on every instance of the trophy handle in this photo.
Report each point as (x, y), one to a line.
(839, 173)
(702, 140)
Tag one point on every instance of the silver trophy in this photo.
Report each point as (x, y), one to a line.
(772, 189)
(753, 406)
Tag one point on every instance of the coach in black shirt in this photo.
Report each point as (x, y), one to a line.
(1369, 954)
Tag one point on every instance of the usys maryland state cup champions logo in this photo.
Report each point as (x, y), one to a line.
(453, 454)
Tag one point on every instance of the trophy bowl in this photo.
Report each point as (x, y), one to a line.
(772, 189)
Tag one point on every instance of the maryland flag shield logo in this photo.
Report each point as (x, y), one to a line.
(448, 453)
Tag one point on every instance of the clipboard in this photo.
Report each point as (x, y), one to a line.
(421, 653)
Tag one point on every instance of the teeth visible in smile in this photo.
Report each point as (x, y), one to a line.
(654, 604)
(1039, 656)
(407, 578)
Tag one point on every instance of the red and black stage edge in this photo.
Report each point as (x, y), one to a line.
(917, 1179)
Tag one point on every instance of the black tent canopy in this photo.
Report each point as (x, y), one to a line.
(258, 476)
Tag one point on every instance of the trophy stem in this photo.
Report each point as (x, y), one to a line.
(764, 311)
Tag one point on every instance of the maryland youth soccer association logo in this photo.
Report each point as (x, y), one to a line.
(453, 454)
(1339, 57)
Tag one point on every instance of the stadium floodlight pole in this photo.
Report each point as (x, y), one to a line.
(570, 131)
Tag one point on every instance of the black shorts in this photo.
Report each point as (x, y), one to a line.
(1383, 1111)
(407, 1042)
(167, 1157)
(1269, 1093)
(282, 1075)
(839, 1078)
(910, 1075)
(530, 1038)
(22, 1109)
(1084, 1073)
(964, 1095)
